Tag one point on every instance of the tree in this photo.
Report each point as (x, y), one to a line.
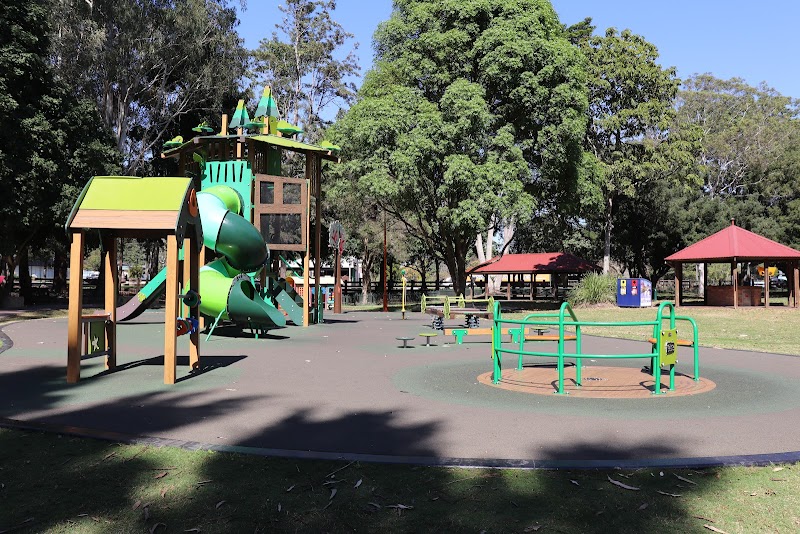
(303, 70)
(630, 110)
(49, 141)
(745, 131)
(149, 65)
(471, 107)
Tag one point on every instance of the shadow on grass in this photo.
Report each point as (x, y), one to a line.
(57, 482)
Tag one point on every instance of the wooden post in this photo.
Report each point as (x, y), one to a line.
(509, 276)
(796, 282)
(317, 165)
(705, 284)
(766, 284)
(678, 284)
(224, 128)
(75, 307)
(306, 257)
(201, 260)
(110, 266)
(171, 311)
(192, 256)
(533, 285)
(735, 279)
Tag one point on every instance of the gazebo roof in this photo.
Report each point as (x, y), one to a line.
(545, 262)
(733, 244)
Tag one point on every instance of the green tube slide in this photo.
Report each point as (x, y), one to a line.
(226, 290)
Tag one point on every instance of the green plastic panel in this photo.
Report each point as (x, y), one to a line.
(126, 193)
(236, 175)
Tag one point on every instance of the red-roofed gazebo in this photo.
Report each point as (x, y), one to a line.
(735, 245)
(533, 264)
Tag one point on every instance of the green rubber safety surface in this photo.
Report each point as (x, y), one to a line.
(737, 393)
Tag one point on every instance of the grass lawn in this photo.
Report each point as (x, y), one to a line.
(775, 329)
(51, 483)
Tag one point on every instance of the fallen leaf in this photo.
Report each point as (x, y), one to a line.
(95, 519)
(109, 455)
(290, 488)
(714, 529)
(376, 505)
(220, 503)
(621, 485)
(643, 506)
(136, 505)
(685, 479)
(280, 507)
(163, 492)
(329, 482)
(753, 494)
(195, 529)
(161, 475)
(83, 515)
(704, 518)
(333, 494)
(400, 506)
(669, 494)
(532, 528)
(203, 482)
(155, 527)
(575, 482)
(778, 479)
(360, 480)
(776, 469)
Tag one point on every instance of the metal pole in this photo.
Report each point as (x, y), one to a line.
(385, 287)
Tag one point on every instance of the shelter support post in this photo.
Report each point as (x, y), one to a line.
(171, 311)
(307, 255)
(678, 284)
(766, 284)
(75, 307)
(110, 267)
(735, 283)
(317, 166)
(795, 282)
(533, 285)
(192, 257)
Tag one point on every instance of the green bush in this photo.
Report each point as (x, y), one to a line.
(594, 289)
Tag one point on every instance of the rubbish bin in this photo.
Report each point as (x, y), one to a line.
(634, 293)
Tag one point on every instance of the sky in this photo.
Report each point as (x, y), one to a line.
(757, 41)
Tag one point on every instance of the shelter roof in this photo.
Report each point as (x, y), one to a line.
(545, 262)
(130, 206)
(732, 244)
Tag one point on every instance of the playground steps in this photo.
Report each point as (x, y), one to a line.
(287, 298)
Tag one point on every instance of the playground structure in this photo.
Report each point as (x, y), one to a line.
(664, 343)
(250, 210)
(129, 207)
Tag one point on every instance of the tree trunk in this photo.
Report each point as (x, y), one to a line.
(700, 269)
(366, 273)
(607, 227)
(60, 264)
(438, 274)
(25, 288)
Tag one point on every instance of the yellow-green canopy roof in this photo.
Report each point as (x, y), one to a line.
(283, 142)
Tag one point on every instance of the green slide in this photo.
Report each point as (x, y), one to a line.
(226, 291)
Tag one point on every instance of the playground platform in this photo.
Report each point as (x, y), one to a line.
(345, 389)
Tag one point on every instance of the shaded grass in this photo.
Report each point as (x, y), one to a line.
(65, 484)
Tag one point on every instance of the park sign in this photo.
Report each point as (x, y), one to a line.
(336, 237)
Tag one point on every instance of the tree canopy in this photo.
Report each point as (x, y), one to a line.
(471, 107)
